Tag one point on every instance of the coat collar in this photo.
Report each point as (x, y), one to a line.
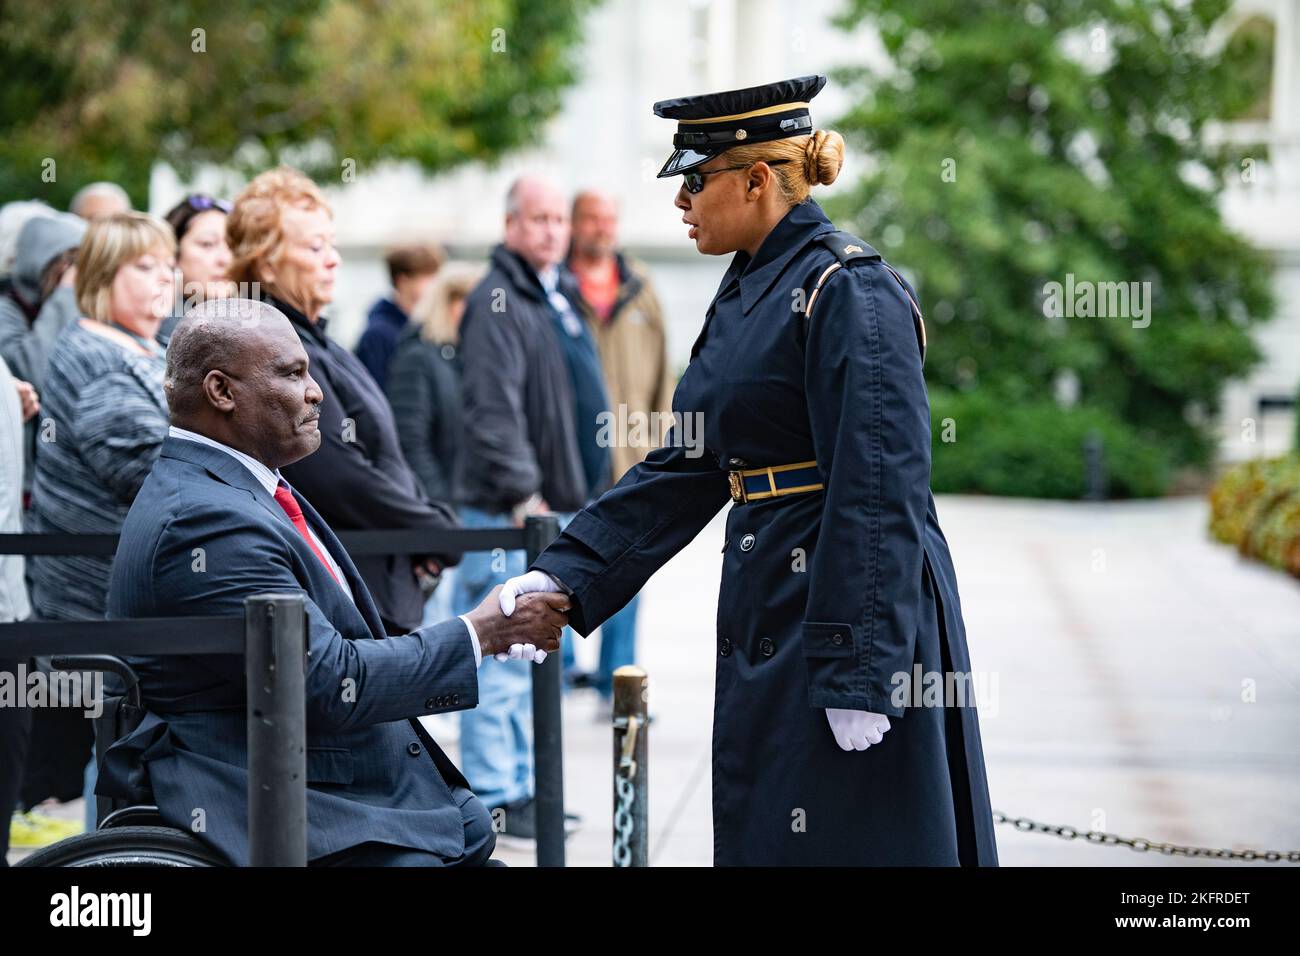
(630, 284)
(300, 321)
(521, 275)
(524, 277)
(803, 223)
(216, 462)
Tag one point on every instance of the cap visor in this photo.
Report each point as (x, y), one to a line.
(682, 160)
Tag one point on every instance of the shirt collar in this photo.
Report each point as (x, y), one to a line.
(803, 223)
(267, 478)
(549, 278)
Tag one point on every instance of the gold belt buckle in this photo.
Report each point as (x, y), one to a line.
(737, 487)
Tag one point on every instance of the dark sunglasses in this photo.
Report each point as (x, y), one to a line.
(694, 180)
(200, 203)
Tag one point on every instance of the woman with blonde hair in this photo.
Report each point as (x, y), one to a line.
(105, 415)
(281, 233)
(837, 585)
(104, 418)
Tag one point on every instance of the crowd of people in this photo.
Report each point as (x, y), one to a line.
(473, 398)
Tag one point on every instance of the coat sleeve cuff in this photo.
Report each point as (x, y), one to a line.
(836, 676)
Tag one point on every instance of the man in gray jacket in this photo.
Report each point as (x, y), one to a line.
(37, 303)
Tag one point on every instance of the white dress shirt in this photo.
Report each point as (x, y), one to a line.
(270, 480)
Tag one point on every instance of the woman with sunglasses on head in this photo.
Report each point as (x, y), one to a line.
(202, 255)
(837, 589)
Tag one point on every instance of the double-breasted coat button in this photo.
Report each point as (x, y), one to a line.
(431, 703)
(725, 647)
(746, 542)
(767, 647)
(837, 639)
(413, 749)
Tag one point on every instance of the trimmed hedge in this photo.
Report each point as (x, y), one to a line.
(1036, 449)
(1255, 507)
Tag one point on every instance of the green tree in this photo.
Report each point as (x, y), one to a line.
(1011, 144)
(103, 90)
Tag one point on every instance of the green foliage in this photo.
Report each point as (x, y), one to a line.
(105, 89)
(1255, 506)
(1070, 134)
(1035, 449)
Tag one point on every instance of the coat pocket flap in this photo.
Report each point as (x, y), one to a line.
(821, 639)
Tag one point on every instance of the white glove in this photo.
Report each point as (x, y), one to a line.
(524, 584)
(856, 729)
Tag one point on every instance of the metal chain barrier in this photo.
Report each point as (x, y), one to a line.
(624, 821)
(631, 839)
(1142, 845)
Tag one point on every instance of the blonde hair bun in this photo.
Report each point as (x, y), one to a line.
(823, 156)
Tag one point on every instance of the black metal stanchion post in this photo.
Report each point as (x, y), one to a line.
(631, 767)
(276, 626)
(548, 752)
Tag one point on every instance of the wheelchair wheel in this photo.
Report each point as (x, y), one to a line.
(127, 846)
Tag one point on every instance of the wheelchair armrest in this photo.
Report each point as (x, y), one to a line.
(102, 662)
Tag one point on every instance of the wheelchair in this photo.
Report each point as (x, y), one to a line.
(127, 833)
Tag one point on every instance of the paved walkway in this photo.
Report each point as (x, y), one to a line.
(1140, 679)
(1115, 641)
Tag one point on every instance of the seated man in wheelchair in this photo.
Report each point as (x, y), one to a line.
(214, 524)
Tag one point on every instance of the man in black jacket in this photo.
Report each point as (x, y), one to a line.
(532, 389)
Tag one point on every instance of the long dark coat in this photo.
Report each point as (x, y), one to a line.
(827, 596)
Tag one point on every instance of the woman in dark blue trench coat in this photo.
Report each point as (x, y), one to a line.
(835, 587)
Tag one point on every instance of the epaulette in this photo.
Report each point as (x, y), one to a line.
(847, 249)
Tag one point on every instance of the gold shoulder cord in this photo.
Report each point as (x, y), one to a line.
(916, 309)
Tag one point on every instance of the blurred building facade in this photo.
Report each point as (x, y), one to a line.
(1263, 204)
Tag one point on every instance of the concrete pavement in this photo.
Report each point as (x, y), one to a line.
(1136, 678)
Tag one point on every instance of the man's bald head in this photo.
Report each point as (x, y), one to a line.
(216, 334)
(237, 373)
(537, 221)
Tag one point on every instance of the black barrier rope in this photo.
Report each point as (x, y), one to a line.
(142, 636)
(395, 541)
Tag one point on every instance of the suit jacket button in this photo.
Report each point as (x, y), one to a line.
(767, 647)
(455, 699)
(413, 749)
(725, 648)
(430, 703)
(837, 639)
(746, 542)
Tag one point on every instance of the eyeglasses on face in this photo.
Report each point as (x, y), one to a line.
(694, 179)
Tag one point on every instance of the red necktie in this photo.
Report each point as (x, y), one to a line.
(284, 497)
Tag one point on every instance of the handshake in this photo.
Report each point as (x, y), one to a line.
(522, 619)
